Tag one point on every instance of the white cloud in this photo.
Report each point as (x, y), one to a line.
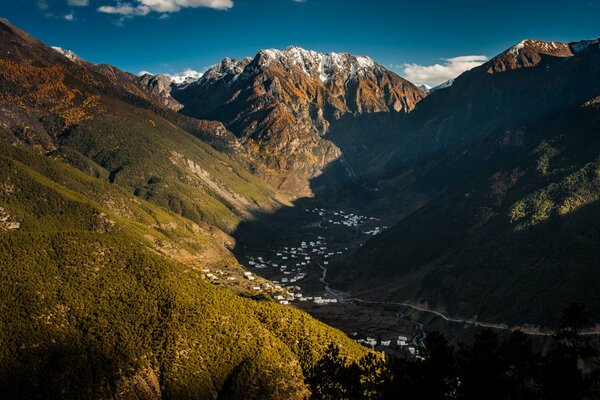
(439, 73)
(125, 9)
(78, 3)
(69, 17)
(144, 7)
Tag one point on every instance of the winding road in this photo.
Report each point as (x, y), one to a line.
(467, 321)
(420, 337)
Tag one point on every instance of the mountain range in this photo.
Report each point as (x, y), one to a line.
(280, 104)
(123, 196)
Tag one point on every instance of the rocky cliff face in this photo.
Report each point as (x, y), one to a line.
(160, 86)
(280, 104)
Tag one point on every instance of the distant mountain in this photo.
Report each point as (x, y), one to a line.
(281, 103)
(444, 85)
(526, 82)
(527, 53)
(160, 85)
(68, 53)
(505, 164)
(425, 88)
(185, 78)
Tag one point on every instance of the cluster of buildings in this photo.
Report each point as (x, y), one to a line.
(400, 343)
(288, 266)
(216, 277)
(375, 231)
(340, 217)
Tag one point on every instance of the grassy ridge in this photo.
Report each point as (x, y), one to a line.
(161, 163)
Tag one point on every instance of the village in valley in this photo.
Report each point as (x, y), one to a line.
(293, 272)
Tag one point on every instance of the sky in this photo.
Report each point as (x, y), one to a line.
(424, 41)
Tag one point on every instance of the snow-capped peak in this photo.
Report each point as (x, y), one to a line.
(552, 48)
(67, 53)
(321, 65)
(185, 77)
(227, 67)
(179, 79)
(444, 85)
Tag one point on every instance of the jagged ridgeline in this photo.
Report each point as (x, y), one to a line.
(281, 104)
(108, 212)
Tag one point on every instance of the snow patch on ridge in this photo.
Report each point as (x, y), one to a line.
(320, 65)
(67, 53)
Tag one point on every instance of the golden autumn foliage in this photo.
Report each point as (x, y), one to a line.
(43, 89)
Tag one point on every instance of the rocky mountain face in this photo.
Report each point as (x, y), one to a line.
(160, 86)
(527, 53)
(507, 158)
(280, 104)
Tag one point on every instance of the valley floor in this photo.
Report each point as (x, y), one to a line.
(310, 237)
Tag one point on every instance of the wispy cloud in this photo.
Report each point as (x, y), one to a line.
(439, 73)
(78, 3)
(68, 16)
(145, 7)
(125, 9)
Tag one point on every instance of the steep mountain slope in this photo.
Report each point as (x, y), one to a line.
(280, 103)
(104, 122)
(514, 206)
(528, 81)
(93, 305)
(160, 86)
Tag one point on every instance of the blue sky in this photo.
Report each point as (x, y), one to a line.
(168, 36)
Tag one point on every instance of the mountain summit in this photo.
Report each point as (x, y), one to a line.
(282, 102)
(529, 53)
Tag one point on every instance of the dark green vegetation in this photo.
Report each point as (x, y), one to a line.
(485, 369)
(90, 310)
(511, 212)
(91, 316)
(108, 213)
